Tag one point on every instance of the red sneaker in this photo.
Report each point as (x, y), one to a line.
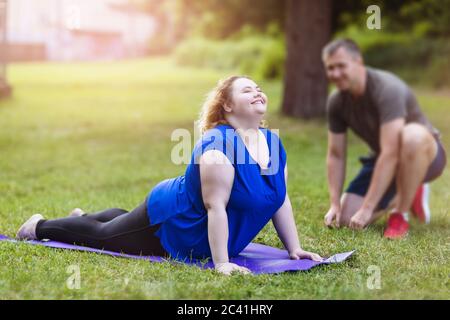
(397, 227)
(420, 207)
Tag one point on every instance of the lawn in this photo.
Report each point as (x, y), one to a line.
(97, 135)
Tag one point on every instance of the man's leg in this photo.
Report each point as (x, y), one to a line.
(350, 204)
(418, 150)
(353, 198)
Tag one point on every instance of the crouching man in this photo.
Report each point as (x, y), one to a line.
(406, 149)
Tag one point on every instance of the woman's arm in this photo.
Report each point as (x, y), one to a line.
(217, 176)
(284, 223)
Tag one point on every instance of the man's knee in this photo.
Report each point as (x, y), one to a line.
(350, 204)
(416, 140)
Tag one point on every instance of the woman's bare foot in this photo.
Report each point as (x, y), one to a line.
(77, 212)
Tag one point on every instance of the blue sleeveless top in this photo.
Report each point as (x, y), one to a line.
(256, 195)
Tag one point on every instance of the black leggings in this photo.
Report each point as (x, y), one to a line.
(112, 229)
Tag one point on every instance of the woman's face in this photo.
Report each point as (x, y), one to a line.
(247, 99)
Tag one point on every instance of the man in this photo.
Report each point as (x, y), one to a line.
(406, 149)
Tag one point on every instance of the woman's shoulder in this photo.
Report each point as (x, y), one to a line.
(218, 138)
(220, 134)
(220, 130)
(274, 141)
(273, 134)
(270, 131)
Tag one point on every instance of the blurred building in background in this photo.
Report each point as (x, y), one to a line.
(5, 89)
(70, 30)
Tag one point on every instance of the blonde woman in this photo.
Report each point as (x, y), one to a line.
(234, 184)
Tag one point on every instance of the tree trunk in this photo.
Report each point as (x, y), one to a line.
(308, 28)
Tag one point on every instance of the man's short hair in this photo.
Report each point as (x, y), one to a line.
(347, 44)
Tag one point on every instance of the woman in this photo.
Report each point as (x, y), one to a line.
(233, 186)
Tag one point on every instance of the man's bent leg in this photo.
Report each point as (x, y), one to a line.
(418, 150)
(350, 204)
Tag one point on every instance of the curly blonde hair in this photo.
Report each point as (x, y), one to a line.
(212, 112)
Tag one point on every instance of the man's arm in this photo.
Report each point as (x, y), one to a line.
(386, 165)
(336, 160)
(384, 172)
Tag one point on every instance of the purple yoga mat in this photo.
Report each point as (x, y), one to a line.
(256, 257)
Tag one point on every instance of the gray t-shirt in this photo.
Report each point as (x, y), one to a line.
(386, 98)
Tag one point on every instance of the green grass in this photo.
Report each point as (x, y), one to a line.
(98, 135)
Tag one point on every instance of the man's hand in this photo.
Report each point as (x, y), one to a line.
(227, 268)
(361, 219)
(333, 217)
(298, 254)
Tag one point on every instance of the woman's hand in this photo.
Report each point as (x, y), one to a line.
(227, 268)
(302, 254)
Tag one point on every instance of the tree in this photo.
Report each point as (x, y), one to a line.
(308, 29)
(215, 19)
